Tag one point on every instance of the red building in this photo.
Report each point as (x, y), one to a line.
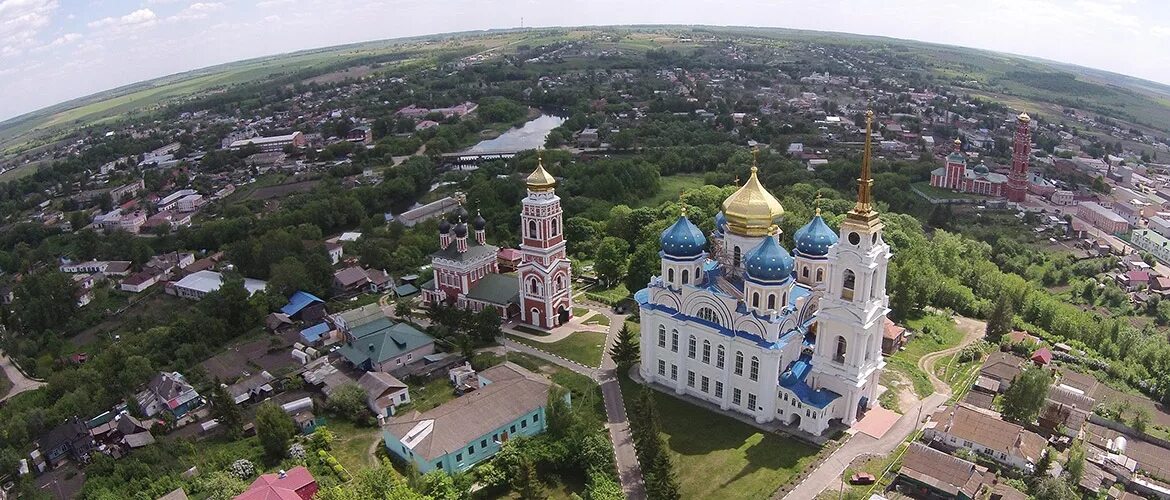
(467, 274)
(1017, 184)
(291, 485)
(955, 176)
(544, 269)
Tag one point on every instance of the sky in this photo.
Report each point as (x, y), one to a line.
(55, 50)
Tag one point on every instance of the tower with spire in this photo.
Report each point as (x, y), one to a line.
(544, 274)
(847, 358)
(1017, 181)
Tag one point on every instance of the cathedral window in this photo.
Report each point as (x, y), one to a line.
(706, 384)
(847, 284)
(707, 351)
(686, 276)
(820, 275)
(531, 229)
(707, 314)
(751, 401)
(554, 228)
(719, 357)
(718, 389)
(533, 286)
(736, 396)
(661, 367)
(872, 289)
(674, 372)
(674, 341)
(804, 272)
(670, 275)
(754, 369)
(560, 282)
(839, 356)
(691, 347)
(661, 336)
(738, 363)
(756, 299)
(771, 302)
(735, 257)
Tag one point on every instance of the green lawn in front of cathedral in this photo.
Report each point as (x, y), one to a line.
(583, 347)
(716, 456)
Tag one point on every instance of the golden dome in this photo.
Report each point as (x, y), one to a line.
(540, 179)
(752, 211)
(1024, 117)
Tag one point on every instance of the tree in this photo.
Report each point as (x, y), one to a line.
(288, 276)
(274, 428)
(381, 483)
(1051, 488)
(999, 323)
(531, 488)
(404, 310)
(611, 259)
(349, 402)
(1141, 419)
(1076, 462)
(644, 264)
(485, 325)
(625, 348)
(45, 301)
(225, 411)
(602, 487)
(1024, 398)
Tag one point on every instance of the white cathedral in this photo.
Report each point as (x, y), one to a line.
(756, 330)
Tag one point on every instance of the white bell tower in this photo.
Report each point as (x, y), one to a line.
(848, 355)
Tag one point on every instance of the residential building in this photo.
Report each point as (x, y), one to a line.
(429, 211)
(200, 283)
(353, 318)
(335, 251)
(304, 306)
(252, 388)
(734, 327)
(115, 219)
(68, 441)
(350, 280)
(190, 203)
(295, 484)
(588, 138)
(955, 176)
(1150, 241)
(384, 392)
(272, 143)
(1065, 411)
(140, 281)
(472, 428)
(382, 345)
(963, 427)
(169, 392)
(893, 337)
(171, 201)
(125, 191)
(1002, 367)
(1063, 197)
(1102, 218)
(929, 473)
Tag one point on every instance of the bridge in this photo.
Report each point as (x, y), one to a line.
(467, 158)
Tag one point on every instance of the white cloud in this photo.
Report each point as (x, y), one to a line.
(65, 39)
(198, 10)
(20, 23)
(273, 3)
(138, 18)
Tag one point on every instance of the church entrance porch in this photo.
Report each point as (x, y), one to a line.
(562, 315)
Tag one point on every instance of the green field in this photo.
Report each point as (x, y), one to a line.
(716, 456)
(670, 186)
(582, 347)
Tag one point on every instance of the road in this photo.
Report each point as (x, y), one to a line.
(829, 472)
(20, 383)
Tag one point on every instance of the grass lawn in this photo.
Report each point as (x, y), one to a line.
(580, 311)
(530, 330)
(924, 187)
(719, 457)
(933, 332)
(610, 296)
(583, 389)
(598, 319)
(353, 443)
(582, 347)
(364, 299)
(434, 393)
(670, 186)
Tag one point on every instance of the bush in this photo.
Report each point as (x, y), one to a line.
(242, 469)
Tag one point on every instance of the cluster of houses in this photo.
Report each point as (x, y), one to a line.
(964, 443)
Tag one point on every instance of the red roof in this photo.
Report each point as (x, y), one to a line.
(297, 484)
(892, 330)
(1042, 356)
(509, 254)
(1137, 276)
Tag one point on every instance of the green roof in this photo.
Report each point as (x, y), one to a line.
(380, 340)
(500, 289)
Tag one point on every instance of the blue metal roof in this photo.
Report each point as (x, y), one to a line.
(314, 333)
(683, 239)
(815, 238)
(769, 261)
(299, 301)
(793, 380)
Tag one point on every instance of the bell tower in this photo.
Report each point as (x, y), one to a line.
(847, 358)
(544, 273)
(1017, 183)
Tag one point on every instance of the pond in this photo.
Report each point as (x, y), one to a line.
(529, 136)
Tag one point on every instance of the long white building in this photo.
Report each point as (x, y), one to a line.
(756, 330)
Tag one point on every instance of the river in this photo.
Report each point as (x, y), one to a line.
(529, 136)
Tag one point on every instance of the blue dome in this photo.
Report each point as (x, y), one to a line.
(720, 222)
(683, 239)
(815, 238)
(769, 261)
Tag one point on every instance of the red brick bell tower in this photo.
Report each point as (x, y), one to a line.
(544, 273)
(1017, 184)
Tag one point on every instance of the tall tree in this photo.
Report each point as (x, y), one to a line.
(1076, 462)
(403, 309)
(625, 348)
(611, 260)
(45, 301)
(274, 428)
(531, 487)
(643, 265)
(1000, 322)
(225, 411)
(1024, 398)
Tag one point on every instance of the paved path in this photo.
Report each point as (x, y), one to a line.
(20, 383)
(629, 471)
(829, 472)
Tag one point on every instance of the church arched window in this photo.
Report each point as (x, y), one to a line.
(820, 275)
(847, 283)
(771, 302)
(707, 314)
(532, 229)
(661, 335)
(804, 272)
(686, 276)
(670, 275)
(533, 286)
(674, 341)
(736, 254)
(560, 282)
(754, 369)
(719, 357)
(691, 347)
(738, 363)
(839, 356)
(756, 299)
(707, 351)
(554, 228)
